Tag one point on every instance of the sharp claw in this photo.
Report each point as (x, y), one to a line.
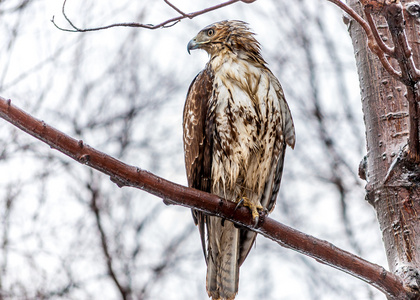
(255, 208)
(256, 221)
(241, 201)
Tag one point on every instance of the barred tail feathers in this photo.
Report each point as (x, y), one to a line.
(222, 259)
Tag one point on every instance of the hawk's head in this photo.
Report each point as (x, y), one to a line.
(232, 35)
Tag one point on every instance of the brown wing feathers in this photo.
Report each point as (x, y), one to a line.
(247, 160)
(198, 143)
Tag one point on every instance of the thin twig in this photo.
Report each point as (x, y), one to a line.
(384, 47)
(165, 24)
(403, 54)
(372, 43)
(177, 9)
(355, 16)
(125, 175)
(65, 16)
(388, 67)
(124, 291)
(408, 53)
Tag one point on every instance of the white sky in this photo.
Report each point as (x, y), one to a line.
(62, 63)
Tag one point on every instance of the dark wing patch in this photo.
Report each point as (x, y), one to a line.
(198, 139)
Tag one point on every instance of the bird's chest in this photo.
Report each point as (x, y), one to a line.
(241, 109)
(239, 121)
(244, 127)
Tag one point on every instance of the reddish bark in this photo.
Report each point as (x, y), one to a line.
(390, 107)
(125, 175)
(377, 6)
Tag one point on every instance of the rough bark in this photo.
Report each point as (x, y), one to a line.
(391, 168)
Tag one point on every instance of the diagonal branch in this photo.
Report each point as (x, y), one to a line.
(408, 74)
(372, 41)
(171, 193)
(384, 47)
(177, 9)
(168, 23)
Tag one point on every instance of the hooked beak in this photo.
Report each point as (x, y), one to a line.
(192, 45)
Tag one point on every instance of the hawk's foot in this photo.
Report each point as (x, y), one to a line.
(254, 207)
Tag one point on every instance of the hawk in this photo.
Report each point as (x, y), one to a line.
(236, 125)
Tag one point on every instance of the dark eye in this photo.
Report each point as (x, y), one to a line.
(210, 32)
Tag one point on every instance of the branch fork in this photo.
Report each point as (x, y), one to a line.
(401, 52)
(165, 24)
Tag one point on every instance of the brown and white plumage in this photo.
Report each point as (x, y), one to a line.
(236, 127)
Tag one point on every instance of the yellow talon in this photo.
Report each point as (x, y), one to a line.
(254, 207)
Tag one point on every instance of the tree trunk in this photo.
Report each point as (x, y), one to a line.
(392, 175)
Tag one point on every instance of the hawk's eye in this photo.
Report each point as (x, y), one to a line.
(210, 32)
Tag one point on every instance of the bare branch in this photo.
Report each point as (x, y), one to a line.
(177, 9)
(409, 75)
(395, 19)
(387, 66)
(384, 47)
(165, 24)
(354, 15)
(124, 291)
(372, 41)
(171, 193)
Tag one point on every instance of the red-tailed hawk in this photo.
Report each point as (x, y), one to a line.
(236, 127)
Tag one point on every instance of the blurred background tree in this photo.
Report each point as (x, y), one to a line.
(69, 233)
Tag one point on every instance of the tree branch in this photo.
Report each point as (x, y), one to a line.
(374, 45)
(409, 75)
(395, 18)
(168, 23)
(384, 47)
(171, 193)
(124, 290)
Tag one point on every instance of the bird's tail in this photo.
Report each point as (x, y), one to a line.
(222, 259)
